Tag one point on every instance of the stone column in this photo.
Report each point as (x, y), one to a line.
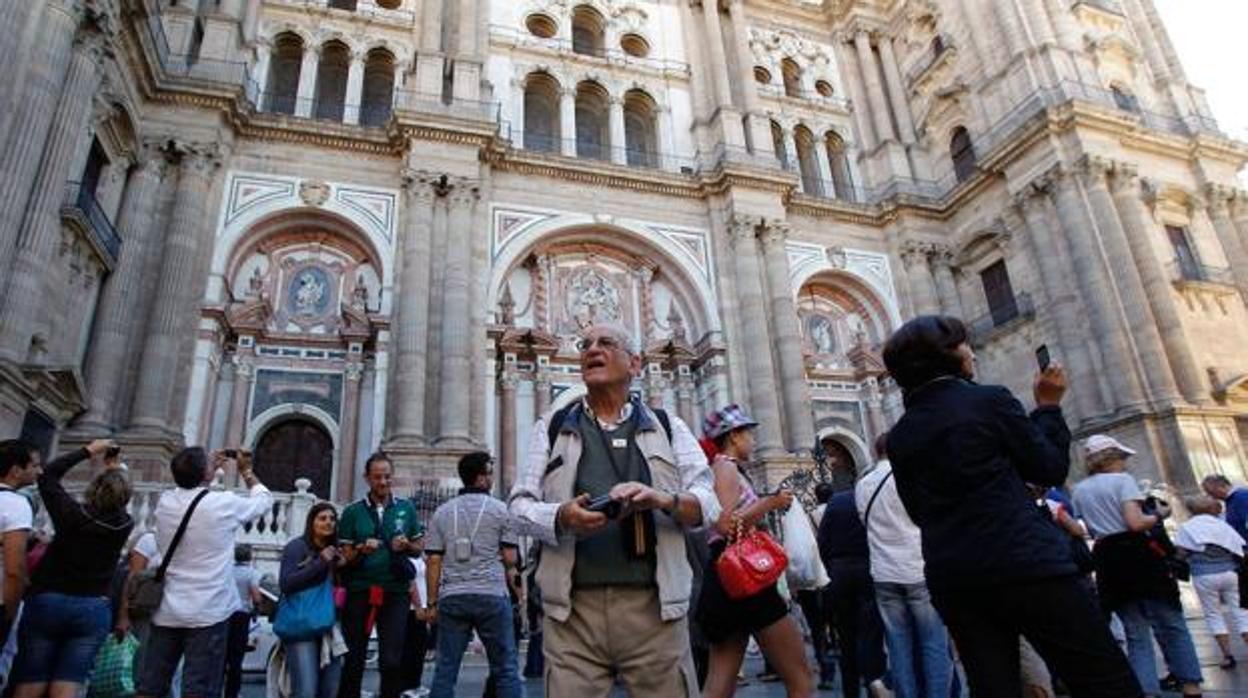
(619, 139)
(897, 91)
(567, 121)
(456, 365)
(411, 326)
(1037, 19)
(790, 156)
(875, 91)
(240, 399)
(114, 323)
(1095, 289)
(1219, 199)
(466, 68)
(174, 313)
(946, 285)
(759, 370)
(541, 394)
(923, 294)
(787, 337)
(756, 123)
(507, 429)
(40, 230)
(307, 81)
(1239, 213)
(1148, 343)
(719, 59)
(857, 93)
(827, 186)
(684, 399)
(1060, 299)
(355, 89)
(667, 150)
(517, 113)
(260, 74)
(1140, 231)
(431, 62)
(345, 490)
(13, 16)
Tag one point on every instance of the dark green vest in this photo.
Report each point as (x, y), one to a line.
(601, 559)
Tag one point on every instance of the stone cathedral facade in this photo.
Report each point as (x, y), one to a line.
(321, 227)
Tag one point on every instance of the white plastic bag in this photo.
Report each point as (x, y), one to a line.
(805, 569)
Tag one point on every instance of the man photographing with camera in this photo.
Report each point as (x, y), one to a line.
(614, 574)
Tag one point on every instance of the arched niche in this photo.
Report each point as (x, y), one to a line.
(839, 313)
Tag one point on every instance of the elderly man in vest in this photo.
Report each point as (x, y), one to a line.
(608, 488)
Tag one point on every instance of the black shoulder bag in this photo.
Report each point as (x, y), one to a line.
(147, 589)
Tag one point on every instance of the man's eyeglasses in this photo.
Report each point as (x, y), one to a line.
(605, 342)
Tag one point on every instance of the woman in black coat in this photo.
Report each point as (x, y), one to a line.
(962, 455)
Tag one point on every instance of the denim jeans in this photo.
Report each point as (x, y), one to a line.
(202, 650)
(1144, 619)
(308, 679)
(490, 616)
(59, 637)
(918, 644)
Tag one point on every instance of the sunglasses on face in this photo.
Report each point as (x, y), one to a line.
(606, 343)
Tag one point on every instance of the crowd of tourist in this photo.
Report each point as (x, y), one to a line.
(958, 557)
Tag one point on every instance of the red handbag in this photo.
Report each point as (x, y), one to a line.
(752, 562)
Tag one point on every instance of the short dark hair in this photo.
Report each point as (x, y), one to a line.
(242, 553)
(189, 467)
(16, 453)
(377, 457)
(472, 466)
(824, 492)
(881, 445)
(925, 348)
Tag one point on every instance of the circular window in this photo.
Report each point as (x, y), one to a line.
(540, 25)
(761, 75)
(824, 88)
(634, 45)
(390, 4)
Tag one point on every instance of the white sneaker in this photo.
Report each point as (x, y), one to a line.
(877, 689)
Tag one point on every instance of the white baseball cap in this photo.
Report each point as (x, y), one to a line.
(1100, 443)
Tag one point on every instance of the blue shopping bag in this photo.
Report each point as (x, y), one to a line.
(307, 614)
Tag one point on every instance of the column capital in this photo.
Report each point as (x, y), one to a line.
(508, 380)
(421, 186)
(464, 191)
(1094, 170)
(1239, 203)
(152, 156)
(941, 257)
(1219, 198)
(743, 228)
(915, 252)
(774, 232)
(1126, 179)
(200, 159)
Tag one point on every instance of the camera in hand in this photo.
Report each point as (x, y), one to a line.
(605, 505)
(112, 452)
(231, 453)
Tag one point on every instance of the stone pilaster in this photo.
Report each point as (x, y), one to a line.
(1097, 293)
(345, 488)
(567, 121)
(896, 91)
(174, 314)
(541, 393)
(684, 400)
(240, 399)
(1059, 297)
(41, 225)
(13, 16)
(619, 139)
(760, 374)
(787, 336)
(114, 323)
(432, 59)
(507, 426)
(456, 368)
(1141, 230)
(1239, 214)
(1219, 199)
(354, 99)
(875, 91)
(718, 58)
(1135, 303)
(946, 286)
(408, 376)
(307, 81)
(757, 124)
(923, 293)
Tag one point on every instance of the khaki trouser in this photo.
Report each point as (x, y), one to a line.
(617, 630)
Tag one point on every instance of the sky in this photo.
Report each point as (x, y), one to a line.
(1209, 36)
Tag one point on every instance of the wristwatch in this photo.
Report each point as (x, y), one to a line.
(671, 511)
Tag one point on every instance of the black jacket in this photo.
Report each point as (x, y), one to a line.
(302, 567)
(961, 454)
(83, 555)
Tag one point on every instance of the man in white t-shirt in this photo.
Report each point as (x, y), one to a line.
(200, 593)
(913, 629)
(20, 466)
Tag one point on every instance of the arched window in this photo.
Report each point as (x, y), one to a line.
(640, 132)
(806, 164)
(282, 84)
(1124, 99)
(777, 144)
(541, 113)
(792, 77)
(331, 81)
(588, 29)
(842, 184)
(963, 153)
(593, 133)
(378, 94)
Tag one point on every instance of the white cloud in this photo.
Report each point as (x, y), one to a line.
(1209, 37)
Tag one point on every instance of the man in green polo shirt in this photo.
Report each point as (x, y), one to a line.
(377, 533)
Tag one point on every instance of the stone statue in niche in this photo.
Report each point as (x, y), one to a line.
(359, 295)
(256, 283)
(592, 298)
(821, 333)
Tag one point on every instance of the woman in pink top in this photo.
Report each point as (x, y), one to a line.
(728, 623)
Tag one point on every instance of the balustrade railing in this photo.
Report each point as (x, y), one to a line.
(983, 327)
(80, 201)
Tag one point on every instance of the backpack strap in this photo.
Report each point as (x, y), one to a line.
(866, 515)
(556, 423)
(177, 536)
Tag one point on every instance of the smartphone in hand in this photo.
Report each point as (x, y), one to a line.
(1043, 358)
